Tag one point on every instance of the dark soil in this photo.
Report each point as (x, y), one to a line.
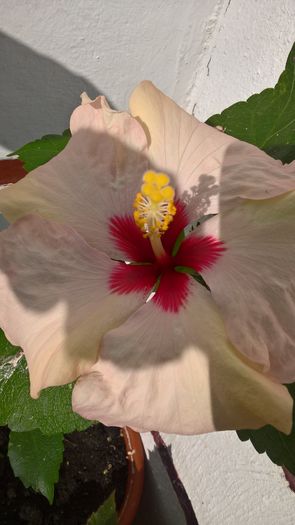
(94, 465)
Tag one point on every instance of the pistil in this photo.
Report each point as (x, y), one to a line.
(157, 246)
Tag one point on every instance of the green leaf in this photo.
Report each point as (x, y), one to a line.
(40, 151)
(51, 413)
(35, 459)
(6, 348)
(284, 153)
(106, 514)
(267, 119)
(279, 447)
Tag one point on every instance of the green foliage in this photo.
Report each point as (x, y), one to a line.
(279, 447)
(35, 459)
(266, 119)
(106, 514)
(51, 413)
(40, 151)
(6, 348)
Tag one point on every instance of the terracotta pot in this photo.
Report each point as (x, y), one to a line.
(134, 488)
(11, 170)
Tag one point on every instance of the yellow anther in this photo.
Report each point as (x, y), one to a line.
(149, 177)
(156, 196)
(159, 179)
(149, 190)
(168, 193)
(154, 207)
(162, 180)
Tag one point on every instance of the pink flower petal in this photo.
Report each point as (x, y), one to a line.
(54, 299)
(94, 178)
(178, 373)
(253, 282)
(128, 278)
(199, 252)
(173, 291)
(196, 155)
(128, 238)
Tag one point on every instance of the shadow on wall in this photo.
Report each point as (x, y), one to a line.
(37, 94)
(159, 504)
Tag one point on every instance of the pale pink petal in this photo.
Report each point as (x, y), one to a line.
(94, 178)
(54, 299)
(253, 282)
(97, 116)
(204, 161)
(178, 373)
(290, 168)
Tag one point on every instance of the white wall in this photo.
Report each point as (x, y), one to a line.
(50, 51)
(246, 53)
(207, 55)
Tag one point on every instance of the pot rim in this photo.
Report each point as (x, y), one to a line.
(11, 170)
(135, 479)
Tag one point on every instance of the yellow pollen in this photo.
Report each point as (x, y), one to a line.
(154, 206)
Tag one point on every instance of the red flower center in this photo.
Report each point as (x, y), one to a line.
(143, 269)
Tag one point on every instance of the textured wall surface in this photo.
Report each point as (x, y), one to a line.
(52, 51)
(206, 55)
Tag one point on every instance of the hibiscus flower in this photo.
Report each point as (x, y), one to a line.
(167, 326)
